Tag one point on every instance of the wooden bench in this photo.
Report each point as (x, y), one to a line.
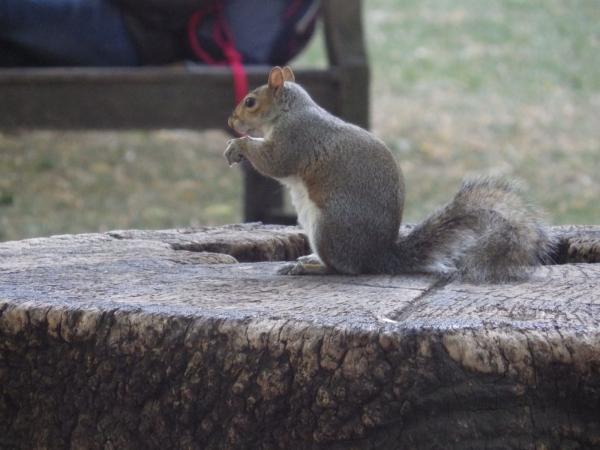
(197, 97)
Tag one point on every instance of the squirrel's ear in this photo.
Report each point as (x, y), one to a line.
(288, 75)
(276, 78)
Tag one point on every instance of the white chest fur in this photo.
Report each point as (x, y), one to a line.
(309, 214)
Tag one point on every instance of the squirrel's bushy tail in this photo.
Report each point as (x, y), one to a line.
(485, 234)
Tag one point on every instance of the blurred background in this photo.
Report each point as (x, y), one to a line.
(509, 87)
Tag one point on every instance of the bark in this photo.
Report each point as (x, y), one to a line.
(141, 339)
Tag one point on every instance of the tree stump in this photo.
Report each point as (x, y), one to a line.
(188, 339)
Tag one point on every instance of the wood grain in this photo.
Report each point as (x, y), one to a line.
(138, 339)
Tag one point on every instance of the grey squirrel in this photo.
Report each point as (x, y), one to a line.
(349, 195)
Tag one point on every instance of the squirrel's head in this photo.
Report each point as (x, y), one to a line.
(256, 112)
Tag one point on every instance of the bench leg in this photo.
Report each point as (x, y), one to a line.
(263, 199)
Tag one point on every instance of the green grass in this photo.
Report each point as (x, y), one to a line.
(54, 183)
(509, 87)
(512, 47)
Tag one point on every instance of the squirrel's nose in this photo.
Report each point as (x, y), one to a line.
(230, 122)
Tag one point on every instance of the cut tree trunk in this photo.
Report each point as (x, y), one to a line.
(188, 339)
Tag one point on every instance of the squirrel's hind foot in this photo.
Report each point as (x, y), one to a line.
(310, 259)
(302, 268)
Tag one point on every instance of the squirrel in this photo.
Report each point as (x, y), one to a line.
(348, 192)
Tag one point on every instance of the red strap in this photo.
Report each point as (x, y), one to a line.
(291, 10)
(224, 39)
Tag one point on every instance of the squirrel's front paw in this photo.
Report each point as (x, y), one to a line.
(233, 153)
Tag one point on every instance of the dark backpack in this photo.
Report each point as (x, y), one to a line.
(238, 32)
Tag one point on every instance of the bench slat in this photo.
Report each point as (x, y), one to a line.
(135, 98)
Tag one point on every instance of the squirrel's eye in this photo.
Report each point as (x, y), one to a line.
(250, 102)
